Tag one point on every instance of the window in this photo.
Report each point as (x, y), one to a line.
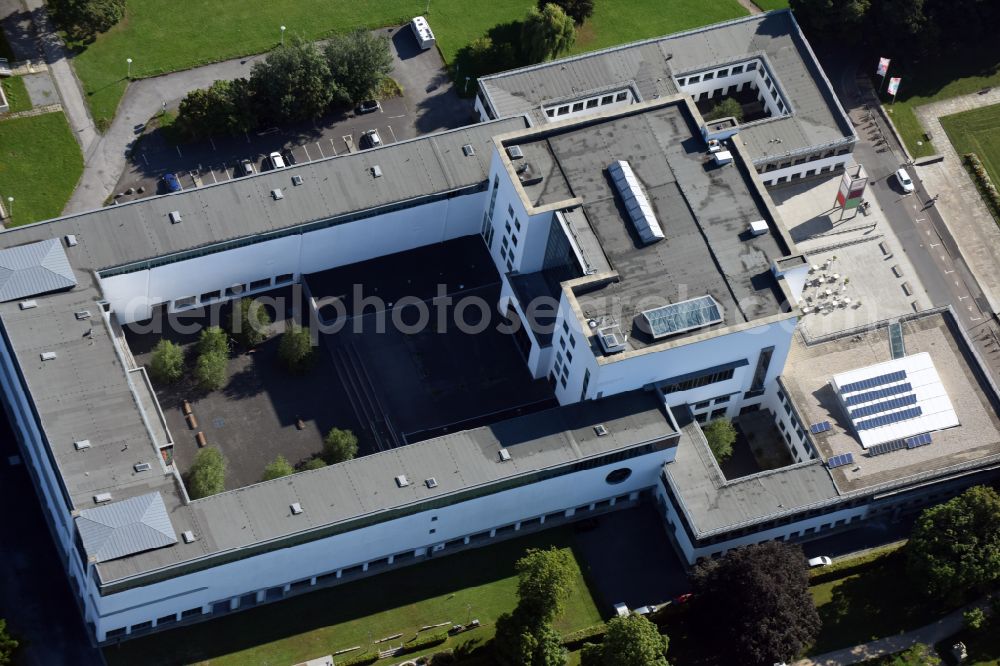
(551, 113)
(517, 224)
(701, 418)
(510, 266)
(433, 518)
(569, 356)
(432, 531)
(114, 633)
(607, 99)
(722, 398)
(696, 382)
(572, 341)
(723, 72)
(184, 302)
(235, 290)
(709, 76)
(514, 240)
(559, 357)
(737, 69)
(565, 326)
(751, 66)
(507, 226)
(510, 213)
(718, 413)
(586, 384)
(504, 242)
(282, 279)
(619, 475)
(210, 296)
(563, 110)
(621, 97)
(503, 250)
(592, 103)
(562, 342)
(702, 405)
(763, 363)
(562, 381)
(781, 424)
(694, 79)
(191, 612)
(578, 106)
(260, 284)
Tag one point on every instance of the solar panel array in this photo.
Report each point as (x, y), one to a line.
(817, 428)
(884, 406)
(683, 316)
(840, 460)
(877, 394)
(864, 384)
(886, 447)
(887, 419)
(918, 440)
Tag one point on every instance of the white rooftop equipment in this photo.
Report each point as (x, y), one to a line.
(723, 157)
(758, 228)
(895, 400)
(636, 202)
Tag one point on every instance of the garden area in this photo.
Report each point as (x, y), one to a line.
(161, 41)
(978, 132)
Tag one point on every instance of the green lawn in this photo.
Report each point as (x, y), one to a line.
(17, 94)
(940, 79)
(161, 39)
(977, 132)
(399, 601)
(40, 163)
(768, 5)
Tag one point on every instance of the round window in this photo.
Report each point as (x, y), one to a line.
(618, 475)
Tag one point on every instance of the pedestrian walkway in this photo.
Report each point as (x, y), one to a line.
(930, 634)
(960, 205)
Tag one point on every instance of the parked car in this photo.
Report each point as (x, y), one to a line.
(368, 106)
(904, 181)
(821, 561)
(245, 168)
(171, 182)
(371, 139)
(289, 157)
(276, 160)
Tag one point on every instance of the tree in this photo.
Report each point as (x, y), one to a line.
(295, 349)
(546, 33)
(315, 463)
(7, 644)
(213, 340)
(954, 548)
(83, 19)
(724, 109)
(210, 371)
(832, 20)
(578, 10)
(224, 108)
(278, 468)
(975, 618)
(358, 62)
(292, 83)
(759, 595)
(339, 445)
(720, 434)
(519, 643)
(630, 641)
(208, 473)
(545, 578)
(167, 362)
(249, 322)
(918, 655)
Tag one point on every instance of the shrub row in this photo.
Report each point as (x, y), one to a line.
(360, 659)
(984, 183)
(427, 641)
(592, 634)
(855, 565)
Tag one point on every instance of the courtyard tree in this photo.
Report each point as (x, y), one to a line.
(210, 371)
(358, 61)
(720, 434)
(7, 644)
(292, 83)
(208, 473)
(578, 10)
(315, 463)
(213, 340)
(295, 349)
(630, 641)
(759, 596)
(278, 468)
(339, 445)
(249, 322)
(728, 107)
(546, 32)
(954, 548)
(167, 362)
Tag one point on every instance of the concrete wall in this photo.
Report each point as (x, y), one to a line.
(805, 169)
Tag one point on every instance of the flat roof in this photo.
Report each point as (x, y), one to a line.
(650, 67)
(704, 211)
(974, 441)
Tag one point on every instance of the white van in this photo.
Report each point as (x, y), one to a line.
(422, 31)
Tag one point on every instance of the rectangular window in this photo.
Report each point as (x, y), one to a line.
(751, 66)
(718, 413)
(563, 110)
(551, 113)
(763, 363)
(235, 290)
(559, 358)
(592, 103)
(191, 612)
(514, 240)
(503, 252)
(694, 79)
(572, 342)
(578, 107)
(504, 242)
(517, 224)
(569, 356)
(510, 266)
(507, 226)
(709, 76)
(680, 81)
(285, 278)
(701, 418)
(565, 326)
(723, 72)
(184, 302)
(737, 69)
(562, 342)
(562, 381)
(260, 284)
(607, 99)
(586, 384)
(510, 213)
(702, 405)
(722, 398)
(621, 97)
(210, 296)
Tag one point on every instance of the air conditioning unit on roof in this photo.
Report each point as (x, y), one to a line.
(612, 339)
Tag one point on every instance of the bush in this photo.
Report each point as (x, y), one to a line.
(213, 340)
(592, 634)
(208, 473)
(720, 434)
(7, 644)
(84, 19)
(249, 322)
(211, 370)
(975, 618)
(425, 642)
(278, 468)
(578, 10)
(167, 363)
(315, 463)
(295, 349)
(360, 659)
(339, 445)
(984, 183)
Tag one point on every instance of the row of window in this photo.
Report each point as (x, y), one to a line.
(696, 382)
(726, 71)
(584, 105)
(561, 370)
(234, 291)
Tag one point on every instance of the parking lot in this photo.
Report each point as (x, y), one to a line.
(428, 104)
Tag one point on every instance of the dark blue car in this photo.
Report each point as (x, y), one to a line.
(171, 183)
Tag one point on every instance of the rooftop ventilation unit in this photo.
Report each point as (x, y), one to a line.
(468, 150)
(515, 152)
(296, 508)
(504, 455)
(70, 240)
(612, 339)
(636, 202)
(175, 216)
(82, 444)
(277, 194)
(376, 171)
(723, 157)
(683, 316)
(101, 498)
(296, 180)
(402, 481)
(48, 356)
(431, 482)
(82, 315)
(27, 305)
(142, 467)
(758, 228)
(188, 536)
(601, 430)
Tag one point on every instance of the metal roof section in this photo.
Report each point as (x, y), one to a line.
(34, 268)
(124, 528)
(648, 68)
(896, 399)
(681, 317)
(636, 202)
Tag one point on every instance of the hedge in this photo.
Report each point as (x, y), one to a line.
(360, 659)
(985, 184)
(592, 634)
(427, 641)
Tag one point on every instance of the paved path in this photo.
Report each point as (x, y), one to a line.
(928, 635)
(960, 205)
